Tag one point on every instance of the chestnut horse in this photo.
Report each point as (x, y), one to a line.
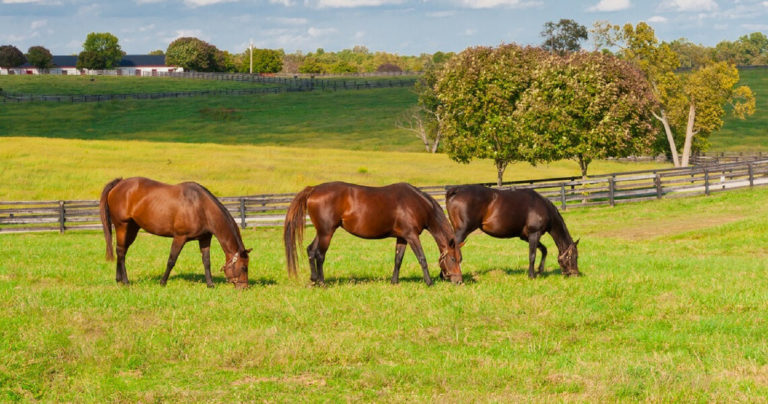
(398, 210)
(512, 213)
(185, 212)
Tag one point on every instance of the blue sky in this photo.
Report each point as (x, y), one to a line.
(406, 27)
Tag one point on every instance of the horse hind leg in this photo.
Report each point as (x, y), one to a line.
(125, 235)
(312, 255)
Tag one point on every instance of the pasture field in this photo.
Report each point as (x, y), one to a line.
(352, 120)
(92, 85)
(673, 307)
(46, 169)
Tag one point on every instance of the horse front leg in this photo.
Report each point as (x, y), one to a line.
(415, 244)
(205, 250)
(533, 243)
(399, 252)
(543, 257)
(176, 246)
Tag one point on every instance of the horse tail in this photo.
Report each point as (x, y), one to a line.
(293, 229)
(106, 220)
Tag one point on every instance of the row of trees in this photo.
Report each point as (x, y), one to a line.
(514, 103)
(38, 56)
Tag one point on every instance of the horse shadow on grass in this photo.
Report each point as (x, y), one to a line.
(519, 271)
(217, 280)
(351, 280)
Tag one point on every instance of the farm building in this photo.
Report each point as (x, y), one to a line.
(130, 65)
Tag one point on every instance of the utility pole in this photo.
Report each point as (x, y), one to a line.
(251, 47)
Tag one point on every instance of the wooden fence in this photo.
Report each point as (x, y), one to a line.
(565, 193)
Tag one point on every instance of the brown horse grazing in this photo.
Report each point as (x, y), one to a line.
(185, 212)
(398, 210)
(512, 213)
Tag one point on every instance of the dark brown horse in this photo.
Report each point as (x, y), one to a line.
(185, 212)
(512, 213)
(398, 210)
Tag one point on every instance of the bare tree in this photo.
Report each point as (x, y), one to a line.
(424, 124)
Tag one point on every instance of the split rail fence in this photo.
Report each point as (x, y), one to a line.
(565, 193)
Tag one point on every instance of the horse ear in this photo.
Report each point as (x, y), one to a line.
(577, 241)
(244, 254)
(462, 244)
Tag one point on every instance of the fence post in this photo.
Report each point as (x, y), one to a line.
(706, 181)
(242, 213)
(751, 176)
(61, 217)
(657, 182)
(562, 195)
(611, 189)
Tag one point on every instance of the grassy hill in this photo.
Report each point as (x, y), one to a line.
(352, 120)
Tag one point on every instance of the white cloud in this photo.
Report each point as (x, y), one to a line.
(470, 32)
(441, 14)
(351, 3)
(765, 3)
(499, 3)
(29, 1)
(146, 28)
(755, 27)
(38, 24)
(195, 33)
(290, 21)
(657, 18)
(359, 35)
(316, 32)
(202, 3)
(610, 5)
(689, 5)
(286, 3)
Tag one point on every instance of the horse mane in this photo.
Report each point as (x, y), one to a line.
(558, 219)
(227, 216)
(437, 211)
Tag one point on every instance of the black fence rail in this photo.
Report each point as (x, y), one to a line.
(565, 193)
(714, 158)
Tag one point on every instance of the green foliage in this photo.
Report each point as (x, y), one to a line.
(356, 60)
(40, 57)
(749, 49)
(478, 91)
(564, 36)
(586, 106)
(100, 51)
(11, 56)
(690, 54)
(195, 54)
(157, 52)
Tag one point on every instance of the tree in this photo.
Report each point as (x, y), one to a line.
(423, 119)
(565, 35)
(194, 54)
(100, 51)
(477, 91)
(40, 57)
(587, 106)
(157, 52)
(706, 91)
(11, 56)
(690, 54)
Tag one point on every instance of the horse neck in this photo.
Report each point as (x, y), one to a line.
(441, 231)
(559, 231)
(225, 230)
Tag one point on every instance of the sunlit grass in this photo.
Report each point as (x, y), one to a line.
(44, 169)
(663, 315)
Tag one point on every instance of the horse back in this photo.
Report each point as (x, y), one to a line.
(517, 213)
(159, 208)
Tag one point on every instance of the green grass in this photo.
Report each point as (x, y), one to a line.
(82, 85)
(750, 134)
(45, 169)
(672, 307)
(353, 120)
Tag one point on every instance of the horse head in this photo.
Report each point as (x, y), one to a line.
(236, 269)
(450, 262)
(569, 260)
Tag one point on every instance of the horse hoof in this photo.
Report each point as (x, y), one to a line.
(211, 286)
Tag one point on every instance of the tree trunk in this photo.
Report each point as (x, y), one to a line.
(689, 135)
(436, 143)
(500, 167)
(670, 137)
(583, 164)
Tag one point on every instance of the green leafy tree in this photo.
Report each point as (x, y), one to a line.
(690, 54)
(478, 91)
(11, 56)
(194, 54)
(40, 57)
(564, 36)
(101, 50)
(707, 90)
(311, 64)
(586, 106)
(157, 52)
